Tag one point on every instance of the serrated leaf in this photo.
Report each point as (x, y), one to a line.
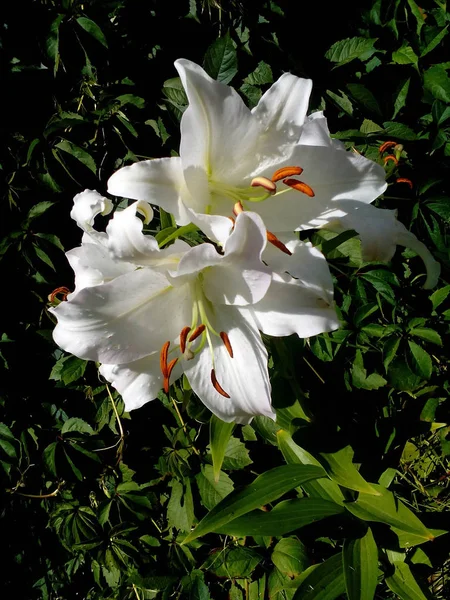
(420, 360)
(405, 55)
(180, 508)
(221, 59)
(360, 561)
(341, 469)
(93, 29)
(234, 562)
(429, 335)
(236, 455)
(266, 488)
(39, 209)
(400, 100)
(437, 82)
(369, 126)
(342, 101)
(52, 42)
(364, 311)
(399, 131)
(402, 583)
(345, 51)
(364, 96)
(261, 75)
(78, 425)
(435, 41)
(390, 349)
(219, 436)
(418, 14)
(322, 582)
(294, 454)
(290, 556)
(49, 458)
(438, 297)
(287, 516)
(43, 256)
(387, 508)
(81, 155)
(213, 490)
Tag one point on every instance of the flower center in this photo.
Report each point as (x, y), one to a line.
(193, 338)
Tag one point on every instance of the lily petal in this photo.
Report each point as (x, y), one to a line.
(159, 181)
(244, 377)
(86, 206)
(138, 382)
(105, 323)
(283, 108)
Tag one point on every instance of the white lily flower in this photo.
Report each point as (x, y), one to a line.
(230, 154)
(380, 233)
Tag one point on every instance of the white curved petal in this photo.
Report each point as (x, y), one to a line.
(315, 132)
(290, 307)
(380, 232)
(123, 320)
(86, 206)
(333, 175)
(138, 382)
(193, 261)
(244, 377)
(216, 227)
(219, 135)
(283, 108)
(159, 181)
(93, 265)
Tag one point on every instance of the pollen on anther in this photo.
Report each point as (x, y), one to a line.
(238, 208)
(389, 157)
(163, 358)
(183, 338)
(405, 180)
(226, 340)
(61, 290)
(217, 385)
(385, 146)
(300, 186)
(170, 367)
(286, 172)
(197, 332)
(265, 183)
(272, 238)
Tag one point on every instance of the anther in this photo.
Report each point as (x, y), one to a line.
(197, 332)
(183, 337)
(385, 146)
(170, 367)
(226, 340)
(405, 180)
(265, 183)
(299, 186)
(238, 208)
(163, 358)
(272, 238)
(286, 172)
(217, 385)
(389, 157)
(61, 290)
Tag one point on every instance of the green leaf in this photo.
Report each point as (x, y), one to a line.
(68, 369)
(360, 559)
(364, 311)
(287, 516)
(39, 209)
(390, 349)
(219, 436)
(93, 29)
(418, 14)
(342, 101)
(84, 157)
(322, 582)
(180, 232)
(400, 100)
(435, 41)
(221, 59)
(437, 82)
(49, 458)
(294, 454)
(78, 425)
(438, 297)
(341, 469)
(212, 489)
(261, 75)
(345, 51)
(405, 56)
(429, 335)
(419, 360)
(440, 208)
(236, 455)
(236, 562)
(360, 378)
(403, 584)
(43, 256)
(398, 131)
(364, 96)
(52, 42)
(386, 508)
(266, 488)
(290, 556)
(369, 126)
(180, 508)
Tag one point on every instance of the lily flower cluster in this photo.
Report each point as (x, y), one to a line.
(249, 180)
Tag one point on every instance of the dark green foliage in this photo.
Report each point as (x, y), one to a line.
(96, 503)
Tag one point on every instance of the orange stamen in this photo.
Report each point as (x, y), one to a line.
(61, 290)
(226, 340)
(170, 367)
(183, 337)
(299, 186)
(163, 358)
(272, 238)
(238, 208)
(286, 172)
(198, 331)
(267, 184)
(389, 157)
(385, 146)
(217, 385)
(405, 180)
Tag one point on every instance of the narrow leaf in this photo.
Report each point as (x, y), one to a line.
(341, 469)
(219, 434)
(403, 583)
(360, 558)
(322, 582)
(93, 29)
